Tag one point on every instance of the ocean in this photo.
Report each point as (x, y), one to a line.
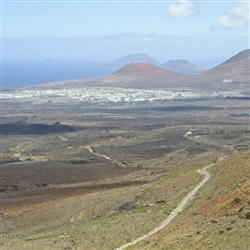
(22, 73)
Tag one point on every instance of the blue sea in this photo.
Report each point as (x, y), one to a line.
(22, 73)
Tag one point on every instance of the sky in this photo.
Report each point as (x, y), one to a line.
(199, 31)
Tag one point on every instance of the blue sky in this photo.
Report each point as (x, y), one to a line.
(106, 30)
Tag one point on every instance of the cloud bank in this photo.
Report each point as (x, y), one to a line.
(107, 48)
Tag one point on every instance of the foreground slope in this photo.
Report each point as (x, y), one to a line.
(53, 184)
(219, 217)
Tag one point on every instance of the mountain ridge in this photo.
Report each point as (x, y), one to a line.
(133, 58)
(234, 70)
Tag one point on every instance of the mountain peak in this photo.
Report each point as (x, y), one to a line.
(139, 69)
(243, 55)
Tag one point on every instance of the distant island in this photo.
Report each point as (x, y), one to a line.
(134, 58)
(184, 67)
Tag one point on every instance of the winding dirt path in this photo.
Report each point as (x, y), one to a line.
(174, 213)
(104, 156)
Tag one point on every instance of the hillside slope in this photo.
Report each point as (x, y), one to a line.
(234, 70)
(219, 216)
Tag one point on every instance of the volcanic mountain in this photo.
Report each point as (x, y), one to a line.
(232, 74)
(234, 70)
(140, 75)
(134, 58)
(138, 69)
(184, 67)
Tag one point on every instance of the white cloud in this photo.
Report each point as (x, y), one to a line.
(240, 10)
(182, 9)
(236, 18)
(229, 22)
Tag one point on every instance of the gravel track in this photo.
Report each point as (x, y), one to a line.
(175, 212)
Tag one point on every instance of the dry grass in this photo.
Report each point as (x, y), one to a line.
(217, 218)
(95, 226)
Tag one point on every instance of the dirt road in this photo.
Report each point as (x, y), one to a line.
(104, 156)
(177, 210)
